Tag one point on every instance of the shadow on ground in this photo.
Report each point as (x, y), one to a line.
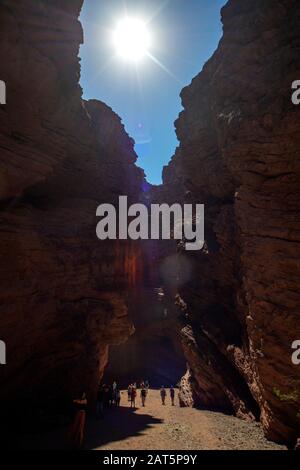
(117, 425)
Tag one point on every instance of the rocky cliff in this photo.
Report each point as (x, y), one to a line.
(239, 154)
(64, 294)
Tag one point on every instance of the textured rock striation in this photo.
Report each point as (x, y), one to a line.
(64, 295)
(239, 154)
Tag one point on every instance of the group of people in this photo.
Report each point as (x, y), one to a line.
(132, 392)
(107, 397)
(163, 395)
(144, 387)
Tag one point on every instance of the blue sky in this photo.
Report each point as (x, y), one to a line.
(184, 34)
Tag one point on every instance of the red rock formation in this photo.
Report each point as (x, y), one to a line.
(154, 352)
(64, 295)
(238, 154)
(63, 292)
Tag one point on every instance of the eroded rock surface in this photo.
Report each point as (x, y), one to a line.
(239, 154)
(64, 294)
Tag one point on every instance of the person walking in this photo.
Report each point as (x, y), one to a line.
(172, 395)
(76, 432)
(129, 390)
(132, 397)
(143, 395)
(163, 394)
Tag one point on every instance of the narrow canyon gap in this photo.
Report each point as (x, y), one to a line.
(65, 297)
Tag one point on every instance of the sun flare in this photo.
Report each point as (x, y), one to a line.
(131, 39)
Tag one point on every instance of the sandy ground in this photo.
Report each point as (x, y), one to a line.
(158, 427)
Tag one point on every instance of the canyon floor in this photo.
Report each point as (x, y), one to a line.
(158, 427)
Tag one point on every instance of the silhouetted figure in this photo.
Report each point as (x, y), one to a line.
(172, 395)
(106, 396)
(111, 396)
(129, 390)
(76, 432)
(132, 397)
(100, 401)
(143, 395)
(117, 397)
(163, 394)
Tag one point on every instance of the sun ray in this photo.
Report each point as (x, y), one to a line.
(147, 138)
(163, 67)
(157, 11)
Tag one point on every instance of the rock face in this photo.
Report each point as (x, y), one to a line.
(64, 294)
(154, 352)
(239, 154)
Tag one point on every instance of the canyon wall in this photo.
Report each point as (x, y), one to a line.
(64, 294)
(239, 155)
(154, 352)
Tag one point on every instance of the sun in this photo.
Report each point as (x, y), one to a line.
(131, 39)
